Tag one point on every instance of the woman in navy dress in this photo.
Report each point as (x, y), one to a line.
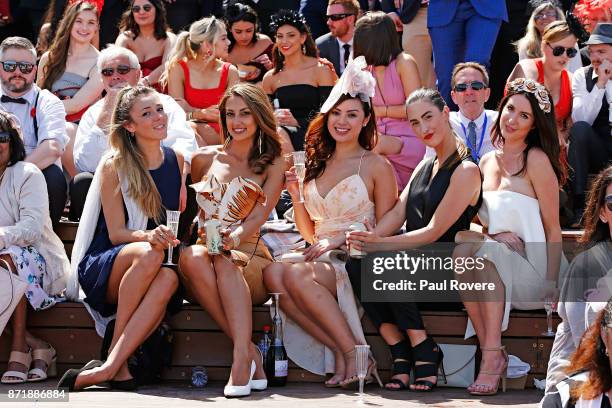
(121, 270)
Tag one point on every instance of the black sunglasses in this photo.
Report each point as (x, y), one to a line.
(146, 8)
(11, 66)
(338, 17)
(121, 69)
(475, 85)
(609, 202)
(5, 137)
(559, 50)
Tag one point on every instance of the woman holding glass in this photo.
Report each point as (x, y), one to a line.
(345, 183)
(440, 200)
(226, 286)
(119, 247)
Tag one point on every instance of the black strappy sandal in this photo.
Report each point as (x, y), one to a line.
(402, 364)
(430, 355)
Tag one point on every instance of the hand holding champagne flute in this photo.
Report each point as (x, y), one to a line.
(299, 164)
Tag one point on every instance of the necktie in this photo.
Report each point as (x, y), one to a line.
(471, 138)
(8, 99)
(347, 53)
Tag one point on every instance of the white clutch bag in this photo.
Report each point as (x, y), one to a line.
(459, 365)
(12, 288)
(329, 257)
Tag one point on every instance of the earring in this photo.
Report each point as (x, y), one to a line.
(304, 49)
(260, 142)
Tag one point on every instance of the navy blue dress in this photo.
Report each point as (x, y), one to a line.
(95, 267)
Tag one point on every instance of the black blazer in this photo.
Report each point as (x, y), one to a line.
(330, 49)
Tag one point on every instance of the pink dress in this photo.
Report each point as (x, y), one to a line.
(413, 150)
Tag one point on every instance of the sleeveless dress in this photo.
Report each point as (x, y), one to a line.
(413, 150)
(95, 267)
(347, 202)
(523, 278)
(204, 98)
(149, 66)
(66, 87)
(563, 107)
(304, 102)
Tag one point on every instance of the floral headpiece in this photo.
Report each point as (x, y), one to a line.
(532, 87)
(355, 81)
(291, 17)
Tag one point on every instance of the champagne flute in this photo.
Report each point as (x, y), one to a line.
(549, 306)
(362, 355)
(172, 221)
(299, 164)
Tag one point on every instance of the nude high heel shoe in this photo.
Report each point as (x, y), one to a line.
(483, 389)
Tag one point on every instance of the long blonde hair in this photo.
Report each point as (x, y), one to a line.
(532, 39)
(128, 159)
(189, 42)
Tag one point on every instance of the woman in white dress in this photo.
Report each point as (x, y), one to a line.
(520, 210)
(345, 183)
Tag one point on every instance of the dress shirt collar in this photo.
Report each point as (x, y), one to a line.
(350, 42)
(479, 120)
(28, 96)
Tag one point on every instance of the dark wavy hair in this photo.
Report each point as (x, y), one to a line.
(17, 152)
(160, 25)
(542, 135)
(294, 19)
(320, 145)
(263, 113)
(240, 12)
(595, 230)
(591, 356)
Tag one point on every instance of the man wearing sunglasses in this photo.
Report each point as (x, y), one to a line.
(470, 83)
(337, 45)
(590, 148)
(40, 114)
(120, 68)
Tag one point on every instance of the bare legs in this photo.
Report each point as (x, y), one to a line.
(68, 155)
(309, 299)
(141, 289)
(206, 135)
(220, 288)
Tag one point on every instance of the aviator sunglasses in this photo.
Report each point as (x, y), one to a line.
(121, 69)
(11, 66)
(559, 50)
(475, 85)
(146, 8)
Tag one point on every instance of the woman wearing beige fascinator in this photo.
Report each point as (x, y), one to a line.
(345, 183)
(241, 181)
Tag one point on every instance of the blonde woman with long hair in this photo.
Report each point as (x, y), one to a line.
(119, 247)
(197, 76)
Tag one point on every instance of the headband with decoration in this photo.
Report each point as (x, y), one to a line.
(532, 87)
(355, 81)
(293, 18)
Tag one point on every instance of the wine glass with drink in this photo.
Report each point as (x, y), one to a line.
(362, 354)
(299, 165)
(172, 221)
(549, 306)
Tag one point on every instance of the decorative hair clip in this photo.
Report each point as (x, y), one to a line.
(532, 87)
(355, 81)
(291, 17)
(576, 27)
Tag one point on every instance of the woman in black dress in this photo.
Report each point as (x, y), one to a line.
(440, 200)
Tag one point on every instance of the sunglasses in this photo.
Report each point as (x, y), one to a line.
(11, 66)
(5, 137)
(121, 69)
(146, 8)
(541, 16)
(559, 50)
(475, 85)
(338, 17)
(609, 202)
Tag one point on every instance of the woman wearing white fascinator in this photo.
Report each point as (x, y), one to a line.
(345, 183)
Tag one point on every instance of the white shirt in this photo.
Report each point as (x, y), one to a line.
(586, 105)
(91, 142)
(50, 115)
(457, 119)
(341, 44)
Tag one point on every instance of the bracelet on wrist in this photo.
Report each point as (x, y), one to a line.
(190, 116)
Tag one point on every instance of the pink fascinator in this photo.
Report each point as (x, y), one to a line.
(355, 81)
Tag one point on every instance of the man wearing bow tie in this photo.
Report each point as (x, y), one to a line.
(40, 114)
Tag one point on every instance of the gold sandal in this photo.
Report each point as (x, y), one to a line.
(490, 389)
(14, 376)
(49, 356)
(372, 373)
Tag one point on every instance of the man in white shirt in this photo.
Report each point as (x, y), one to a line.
(337, 45)
(40, 115)
(470, 91)
(590, 147)
(119, 68)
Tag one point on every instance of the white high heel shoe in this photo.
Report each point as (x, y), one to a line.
(235, 391)
(262, 384)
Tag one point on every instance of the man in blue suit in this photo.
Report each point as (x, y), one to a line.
(462, 30)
